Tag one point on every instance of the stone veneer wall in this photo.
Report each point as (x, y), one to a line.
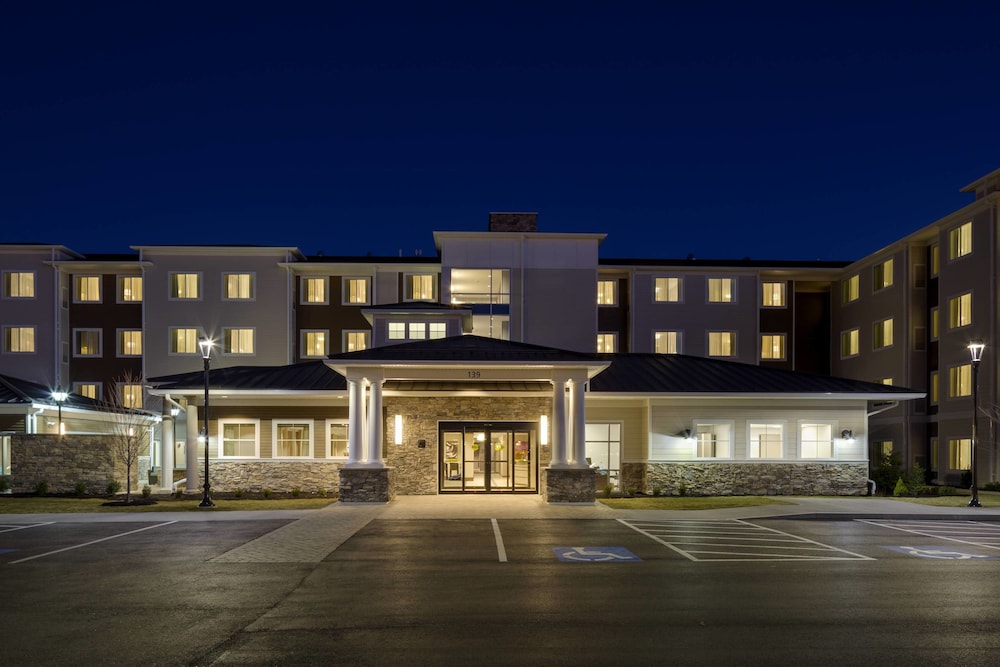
(570, 485)
(64, 461)
(416, 468)
(749, 479)
(281, 476)
(366, 485)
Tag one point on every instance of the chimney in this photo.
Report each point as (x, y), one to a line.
(513, 222)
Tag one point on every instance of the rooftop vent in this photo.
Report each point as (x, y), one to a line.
(513, 222)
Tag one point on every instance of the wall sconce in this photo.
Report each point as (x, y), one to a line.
(686, 434)
(847, 434)
(397, 436)
(174, 412)
(543, 427)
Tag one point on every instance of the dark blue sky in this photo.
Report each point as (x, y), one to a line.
(802, 130)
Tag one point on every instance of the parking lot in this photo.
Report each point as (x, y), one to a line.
(367, 587)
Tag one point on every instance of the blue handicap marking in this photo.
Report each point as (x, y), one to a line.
(940, 553)
(6, 551)
(595, 555)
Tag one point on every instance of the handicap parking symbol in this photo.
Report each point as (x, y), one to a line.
(595, 555)
(940, 553)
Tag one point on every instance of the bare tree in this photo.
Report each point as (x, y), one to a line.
(128, 428)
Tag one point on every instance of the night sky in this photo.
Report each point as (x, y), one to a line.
(770, 130)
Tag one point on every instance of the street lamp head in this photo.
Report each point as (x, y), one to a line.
(206, 347)
(976, 348)
(60, 396)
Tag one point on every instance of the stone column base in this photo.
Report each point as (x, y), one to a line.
(568, 485)
(366, 485)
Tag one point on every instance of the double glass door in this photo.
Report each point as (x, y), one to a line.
(488, 457)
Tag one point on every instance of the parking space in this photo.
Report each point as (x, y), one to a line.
(943, 540)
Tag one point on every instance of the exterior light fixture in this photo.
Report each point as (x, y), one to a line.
(398, 430)
(976, 348)
(543, 427)
(687, 434)
(847, 434)
(60, 397)
(205, 345)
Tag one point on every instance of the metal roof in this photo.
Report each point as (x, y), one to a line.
(306, 376)
(681, 374)
(466, 349)
(14, 391)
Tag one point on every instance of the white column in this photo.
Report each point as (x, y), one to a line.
(167, 452)
(192, 446)
(375, 426)
(355, 411)
(579, 427)
(558, 424)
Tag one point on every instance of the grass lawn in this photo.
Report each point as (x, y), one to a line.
(62, 505)
(689, 502)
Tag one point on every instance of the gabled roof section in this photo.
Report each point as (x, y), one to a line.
(15, 391)
(465, 349)
(306, 376)
(682, 374)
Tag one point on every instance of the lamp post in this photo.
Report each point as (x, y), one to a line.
(59, 397)
(976, 350)
(205, 344)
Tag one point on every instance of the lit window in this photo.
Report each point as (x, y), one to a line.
(667, 290)
(960, 453)
(882, 274)
(849, 343)
(850, 289)
(418, 330)
(934, 387)
(356, 290)
(885, 381)
(86, 342)
(772, 346)
(766, 440)
(129, 342)
(314, 343)
(19, 339)
(314, 290)
(883, 334)
(721, 344)
(934, 454)
(183, 341)
(19, 284)
(603, 448)
(87, 289)
(239, 439)
(720, 290)
(667, 342)
(437, 330)
(337, 448)
(960, 241)
(397, 330)
(130, 395)
(238, 286)
(960, 380)
(935, 323)
(884, 447)
(773, 295)
(606, 342)
(960, 311)
(89, 389)
(184, 285)
(420, 287)
(607, 292)
(129, 289)
(713, 440)
(292, 440)
(237, 341)
(355, 341)
(935, 259)
(816, 441)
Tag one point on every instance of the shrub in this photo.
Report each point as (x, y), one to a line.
(900, 489)
(41, 488)
(885, 470)
(607, 491)
(656, 491)
(296, 491)
(4, 483)
(966, 480)
(178, 493)
(682, 490)
(990, 486)
(917, 476)
(266, 493)
(146, 491)
(238, 492)
(80, 488)
(947, 491)
(114, 486)
(321, 492)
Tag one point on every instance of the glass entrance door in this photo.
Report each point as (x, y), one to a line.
(488, 457)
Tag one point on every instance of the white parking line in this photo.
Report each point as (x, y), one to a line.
(501, 552)
(8, 527)
(736, 540)
(86, 544)
(964, 532)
